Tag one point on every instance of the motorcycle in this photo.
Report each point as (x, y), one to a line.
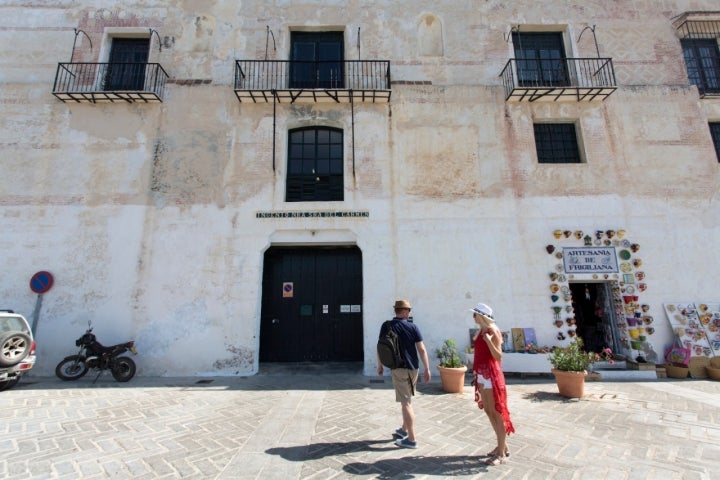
(93, 355)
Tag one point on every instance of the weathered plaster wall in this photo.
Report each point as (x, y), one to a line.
(145, 214)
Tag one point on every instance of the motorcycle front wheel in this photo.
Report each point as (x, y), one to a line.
(123, 369)
(71, 368)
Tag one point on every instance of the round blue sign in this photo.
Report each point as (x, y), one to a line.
(41, 282)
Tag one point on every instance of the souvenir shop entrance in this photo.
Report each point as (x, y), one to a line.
(595, 315)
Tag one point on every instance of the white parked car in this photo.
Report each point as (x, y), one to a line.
(17, 348)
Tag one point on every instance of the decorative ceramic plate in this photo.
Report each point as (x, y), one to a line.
(625, 254)
(625, 267)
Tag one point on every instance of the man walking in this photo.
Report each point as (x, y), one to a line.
(405, 379)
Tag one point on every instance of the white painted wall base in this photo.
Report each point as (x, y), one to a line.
(526, 363)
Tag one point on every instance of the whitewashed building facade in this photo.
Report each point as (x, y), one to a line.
(232, 183)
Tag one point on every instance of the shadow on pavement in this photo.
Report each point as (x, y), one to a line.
(315, 451)
(548, 397)
(411, 467)
(395, 468)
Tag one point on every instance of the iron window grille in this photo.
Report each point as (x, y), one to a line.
(557, 143)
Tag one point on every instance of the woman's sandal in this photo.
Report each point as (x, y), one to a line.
(496, 460)
(493, 453)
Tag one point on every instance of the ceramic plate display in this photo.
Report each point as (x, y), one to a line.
(625, 254)
(625, 267)
(629, 289)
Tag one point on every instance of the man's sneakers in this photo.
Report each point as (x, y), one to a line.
(405, 443)
(400, 434)
(401, 439)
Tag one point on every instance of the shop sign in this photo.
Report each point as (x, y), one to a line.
(590, 260)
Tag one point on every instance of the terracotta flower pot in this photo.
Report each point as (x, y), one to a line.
(570, 384)
(453, 379)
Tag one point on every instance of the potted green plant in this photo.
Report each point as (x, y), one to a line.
(451, 367)
(570, 364)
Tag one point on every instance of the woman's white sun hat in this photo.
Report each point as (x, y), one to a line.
(482, 309)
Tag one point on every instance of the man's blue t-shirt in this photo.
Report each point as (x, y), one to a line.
(408, 335)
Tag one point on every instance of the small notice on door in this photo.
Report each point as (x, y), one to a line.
(287, 289)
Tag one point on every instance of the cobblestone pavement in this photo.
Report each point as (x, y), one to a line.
(338, 425)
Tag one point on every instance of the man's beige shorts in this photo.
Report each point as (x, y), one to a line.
(404, 381)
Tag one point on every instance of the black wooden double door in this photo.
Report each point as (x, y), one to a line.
(312, 305)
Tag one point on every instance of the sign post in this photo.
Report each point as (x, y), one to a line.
(40, 283)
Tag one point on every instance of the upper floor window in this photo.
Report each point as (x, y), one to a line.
(715, 132)
(315, 165)
(127, 64)
(702, 61)
(557, 143)
(541, 59)
(316, 60)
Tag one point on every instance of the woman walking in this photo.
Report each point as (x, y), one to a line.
(490, 390)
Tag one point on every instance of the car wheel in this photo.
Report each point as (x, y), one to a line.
(5, 384)
(14, 347)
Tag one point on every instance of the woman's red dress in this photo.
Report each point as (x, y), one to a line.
(486, 365)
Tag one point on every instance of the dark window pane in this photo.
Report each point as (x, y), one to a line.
(323, 166)
(308, 151)
(336, 166)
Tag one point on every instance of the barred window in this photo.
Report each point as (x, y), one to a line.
(557, 143)
(702, 61)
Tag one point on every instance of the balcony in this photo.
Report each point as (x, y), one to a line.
(289, 81)
(109, 82)
(558, 79)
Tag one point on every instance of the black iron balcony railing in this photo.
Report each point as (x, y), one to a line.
(558, 79)
(293, 81)
(110, 82)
